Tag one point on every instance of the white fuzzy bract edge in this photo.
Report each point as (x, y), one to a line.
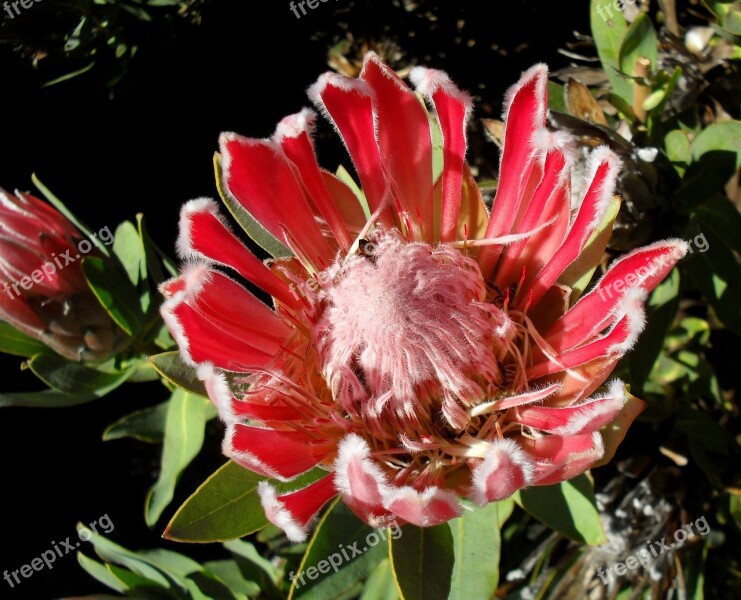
(278, 515)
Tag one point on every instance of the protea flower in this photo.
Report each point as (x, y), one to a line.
(45, 294)
(419, 349)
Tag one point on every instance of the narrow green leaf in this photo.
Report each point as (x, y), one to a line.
(70, 75)
(159, 265)
(226, 506)
(145, 425)
(119, 555)
(14, 342)
(137, 585)
(477, 549)
(568, 507)
(437, 146)
(256, 568)
(171, 366)
(187, 415)
(100, 573)
(423, 559)
(325, 572)
(115, 293)
(608, 29)
(62, 208)
(129, 249)
(73, 378)
(44, 399)
(252, 227)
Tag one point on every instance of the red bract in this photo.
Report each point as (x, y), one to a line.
(45, 294)
(419, 349)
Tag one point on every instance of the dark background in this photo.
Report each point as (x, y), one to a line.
(149, 149)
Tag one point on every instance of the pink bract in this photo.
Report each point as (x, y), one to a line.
(419, 349)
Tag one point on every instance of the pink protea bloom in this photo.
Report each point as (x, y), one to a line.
(44, 291)
(419, 349)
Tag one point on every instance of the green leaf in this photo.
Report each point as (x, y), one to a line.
(381, 584)
(663, 94)
(185, 425)
(344, 176)
(115, 293)
(254, 567)
(568, 507)
(226, 506)
(608, 29)
(44, 399)
(129, 249)
(720, 216)
(437, 146)
(734, 507)
(477, 549)
(640, 41)
(252, 227)
(138, 586)
(678, 146)
(119, 555)
(14, 342)
(228, 571)
(716, 272)
(171, 366)
(723, 136)
(556, 97)
(159, 266)
(60, 206)
(145, 425)
(73, 378)
(423, 561)
(662, 308)
(70, 75)
(729, 15)
(100, 573)
(317, 578)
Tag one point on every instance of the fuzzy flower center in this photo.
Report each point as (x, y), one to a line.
(406, 337)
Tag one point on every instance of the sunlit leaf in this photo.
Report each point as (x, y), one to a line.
(185, 424)
(423, 561)
(226, 506)
(568, 507)
(325, 572)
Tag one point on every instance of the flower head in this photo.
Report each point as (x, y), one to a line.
(45, 294)
(420, 349)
